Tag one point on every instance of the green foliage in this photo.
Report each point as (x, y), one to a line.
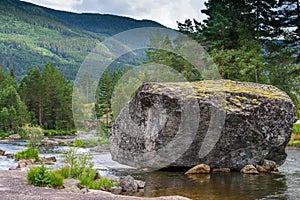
(295, 141)
(78, 143)
(13, 112)
(56, 179)
(102, 183)
(59, 132)
(296, 129)
(48, 96)
(39, 176)
(35, 134)
(65, 172)
(79, 164)
(4, 134)
(242, 38)
(28, 154)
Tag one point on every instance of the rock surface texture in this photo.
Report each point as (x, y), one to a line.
(223, 124)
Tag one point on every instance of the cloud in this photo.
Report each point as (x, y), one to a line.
(166, 12)
(66, 5)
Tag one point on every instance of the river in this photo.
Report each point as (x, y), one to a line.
(234, 186)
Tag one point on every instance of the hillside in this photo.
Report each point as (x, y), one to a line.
(32, 35)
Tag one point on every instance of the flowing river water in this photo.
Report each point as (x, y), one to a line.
(233, 186)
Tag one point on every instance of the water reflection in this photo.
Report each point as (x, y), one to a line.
(213, 186)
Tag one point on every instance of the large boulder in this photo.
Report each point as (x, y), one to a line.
(223, 124)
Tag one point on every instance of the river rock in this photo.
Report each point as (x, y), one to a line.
(9, 154)
(261, 169)
(2, 152)
(72, 185)
(221, 170)
(225, 124)
(14, 137)
(128, 184)
(249, 169)
(199, 169)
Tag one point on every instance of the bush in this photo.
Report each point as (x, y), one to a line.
(38, 176)
(4, 134)
(296, 129)
(65, 172)
(103, 184)
(78, 143)
(56, 179)
(35, 134)
(79, 163)
(28, 154)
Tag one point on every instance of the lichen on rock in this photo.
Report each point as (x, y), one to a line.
(224, 124)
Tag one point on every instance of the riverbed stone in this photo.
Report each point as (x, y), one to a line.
(128, 184)
(14, 137)
(2, 152)
(261, 169)
(249, 169)
(225, 124)
(71, 185)
(9, 154)
(221, 170)
(199, 169)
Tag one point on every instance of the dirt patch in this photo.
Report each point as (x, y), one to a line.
(13, 186)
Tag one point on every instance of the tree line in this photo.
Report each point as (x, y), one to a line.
(42, 98)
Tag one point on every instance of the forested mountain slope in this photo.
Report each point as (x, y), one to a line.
(31, 35)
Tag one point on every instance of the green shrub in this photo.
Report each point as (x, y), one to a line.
(39, 176)
(4, 134)
(56, 179)
(103, 184)
(27, 154)
(31, 175)
(78, 143)
(79, 163)
(35, 134)
(65, 172)
(296, 129)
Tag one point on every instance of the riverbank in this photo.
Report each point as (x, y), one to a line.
(13, 185)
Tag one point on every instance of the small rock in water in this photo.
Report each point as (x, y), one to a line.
(2, 152)
(249, 169)
(261, 169)
(221, 170)
(269, 165)
(199, 169)
(22, 163)
(14, 137)
(8, 154)
(141, 184)
(128, 184)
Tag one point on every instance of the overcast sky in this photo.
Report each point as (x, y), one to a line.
(166, 12)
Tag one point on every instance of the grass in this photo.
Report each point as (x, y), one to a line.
(296, 129)
(59, 132)
(89, 143)
(27, 154)
(295, 138)
(4, 134)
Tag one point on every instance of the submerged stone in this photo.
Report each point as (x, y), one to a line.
(224, 124)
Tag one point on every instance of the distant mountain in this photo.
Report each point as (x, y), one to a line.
(32, 35)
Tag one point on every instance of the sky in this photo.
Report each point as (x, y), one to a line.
(166, 12)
